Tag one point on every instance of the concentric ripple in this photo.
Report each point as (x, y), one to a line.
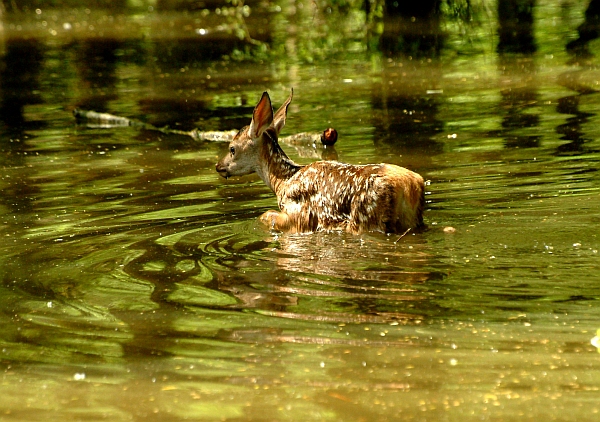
(325, 276)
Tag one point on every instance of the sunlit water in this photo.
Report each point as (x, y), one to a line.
(138, 285)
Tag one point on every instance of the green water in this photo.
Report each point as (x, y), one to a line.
(138, 285)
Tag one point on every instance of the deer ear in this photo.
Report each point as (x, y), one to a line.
(281, 114)
(262, 117)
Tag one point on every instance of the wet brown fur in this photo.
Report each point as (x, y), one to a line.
(324, 195)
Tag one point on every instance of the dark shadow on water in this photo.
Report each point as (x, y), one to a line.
(573, 130)
(405, 110)
(20, 86)
(97, 64)
(188, 114)
(412, 28)
(193, 52)
(588, 31)
(175, 113)
(410, 123)
(516, 26)
(522, 95)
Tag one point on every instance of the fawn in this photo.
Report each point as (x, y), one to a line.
(324, 195)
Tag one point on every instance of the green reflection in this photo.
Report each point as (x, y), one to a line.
(136, 284)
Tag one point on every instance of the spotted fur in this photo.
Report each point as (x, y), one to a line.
(324, 195)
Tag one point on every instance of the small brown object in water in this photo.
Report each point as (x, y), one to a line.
(329, 137)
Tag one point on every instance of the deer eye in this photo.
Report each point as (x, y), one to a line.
(232, 150)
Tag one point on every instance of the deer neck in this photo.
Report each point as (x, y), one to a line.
(276, 167)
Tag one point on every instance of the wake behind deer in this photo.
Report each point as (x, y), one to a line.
(324, 195)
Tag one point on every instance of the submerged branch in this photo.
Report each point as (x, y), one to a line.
(94, 119)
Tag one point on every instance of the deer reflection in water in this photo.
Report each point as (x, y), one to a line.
(335, 277)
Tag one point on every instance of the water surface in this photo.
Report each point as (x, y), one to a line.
(138, 285)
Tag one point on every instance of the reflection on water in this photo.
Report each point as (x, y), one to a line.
(515, 30)
(19, 81)
(405, 120)
(303, 277)
(572, 129)
(137, 284)
(519, 103)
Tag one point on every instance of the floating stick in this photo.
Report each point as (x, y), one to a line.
(94, 119)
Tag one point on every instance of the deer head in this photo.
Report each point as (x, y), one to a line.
(244, 155)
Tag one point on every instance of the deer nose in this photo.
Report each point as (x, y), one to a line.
(221, 170)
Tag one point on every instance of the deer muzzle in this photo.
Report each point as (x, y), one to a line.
(222, 170)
